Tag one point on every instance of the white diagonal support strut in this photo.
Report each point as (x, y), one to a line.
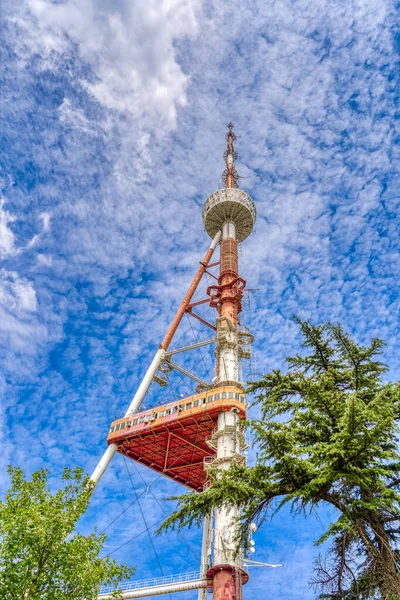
(187, 373)
(147, 379)
(134, 405)
(191, 347)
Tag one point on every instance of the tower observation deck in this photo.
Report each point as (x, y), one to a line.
(184, 438)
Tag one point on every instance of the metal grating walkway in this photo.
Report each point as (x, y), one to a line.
(146, 583)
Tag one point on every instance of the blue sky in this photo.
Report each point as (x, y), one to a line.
(113, 123)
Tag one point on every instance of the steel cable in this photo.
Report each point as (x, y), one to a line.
(164, 511)
(144, 521)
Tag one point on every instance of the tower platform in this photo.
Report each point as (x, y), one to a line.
(172, 439)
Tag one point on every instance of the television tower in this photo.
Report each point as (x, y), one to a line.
(232, 212)
(185, 438)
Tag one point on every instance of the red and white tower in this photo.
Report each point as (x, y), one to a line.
(231, 211)
(185, 438)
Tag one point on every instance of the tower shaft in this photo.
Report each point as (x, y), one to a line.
(227, 563)
(228, 439)
(183, 438)
(227, 367)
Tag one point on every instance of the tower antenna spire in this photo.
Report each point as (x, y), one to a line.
(230, 177)
(187, 437)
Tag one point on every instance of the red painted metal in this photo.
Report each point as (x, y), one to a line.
(229, 256)
(204, 301)
(191, 313)
(176, 444)
(211, 275)
(227, 582)
(172, 439)
(230, 176)
(231, 285)
(226, 297)
(186, 301)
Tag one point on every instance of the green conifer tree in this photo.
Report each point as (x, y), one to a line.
(41, 558)
(328, 433)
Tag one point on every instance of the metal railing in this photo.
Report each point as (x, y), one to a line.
(145, 583)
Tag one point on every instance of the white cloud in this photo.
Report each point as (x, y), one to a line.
(129, 45)
(22, 333)
(44, 259)
(17, 295)
(46, 221)
(74, 117)
(125, 204)
(7, 239)
(8, 246)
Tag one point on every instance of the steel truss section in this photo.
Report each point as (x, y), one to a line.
(184, 439)
(167, 365)
(151, 371)
(190, 347)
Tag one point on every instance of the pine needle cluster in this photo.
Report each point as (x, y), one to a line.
(327, 434)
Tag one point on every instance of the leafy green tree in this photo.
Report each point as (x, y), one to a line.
(328, 434)
(41, 558)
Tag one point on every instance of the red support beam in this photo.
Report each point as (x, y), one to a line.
(207, 452)
(189, 295)
(189, 466)
(167, 451)
(211, 275)
(202, 320)
(190, 306)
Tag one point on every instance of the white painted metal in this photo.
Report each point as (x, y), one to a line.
(228, 358)
(103, 464)
(228, 441)
(159, 590)
(129, 586)
(190, 347)
(146, 381)
(205, 554)
(228, 230)
(253, 563)
(216, 239)
(229, 204)
(138, 397)
(228, 447)
(134, 405)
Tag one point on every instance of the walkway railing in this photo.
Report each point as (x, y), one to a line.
(156, 581)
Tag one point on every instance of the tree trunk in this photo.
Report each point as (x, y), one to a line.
(387, 563)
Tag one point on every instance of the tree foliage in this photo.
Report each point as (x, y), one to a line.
(328, 433)
(41, 557)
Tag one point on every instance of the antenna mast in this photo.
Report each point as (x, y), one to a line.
(185, 438)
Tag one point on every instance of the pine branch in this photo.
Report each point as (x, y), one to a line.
(327, 433)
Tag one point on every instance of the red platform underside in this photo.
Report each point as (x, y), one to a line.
(176, 448)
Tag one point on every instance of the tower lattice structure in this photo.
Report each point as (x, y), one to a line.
(185, 438)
